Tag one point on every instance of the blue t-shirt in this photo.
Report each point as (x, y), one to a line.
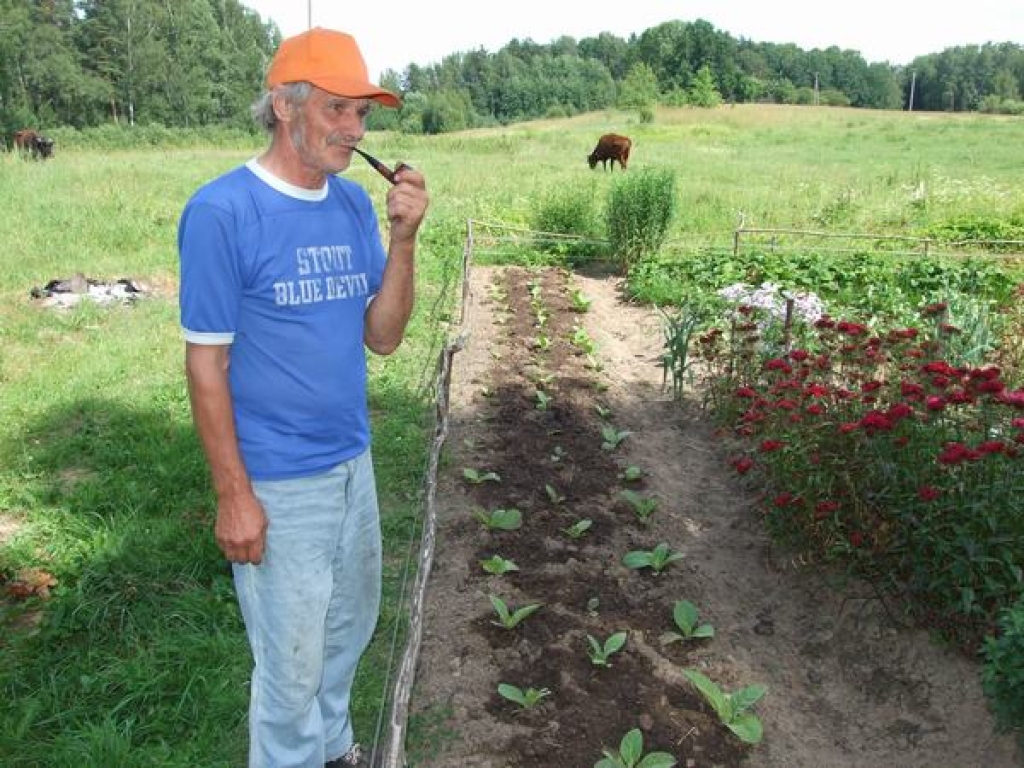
(284, 275)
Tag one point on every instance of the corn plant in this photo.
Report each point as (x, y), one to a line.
(525, 699)
(684, 613)
(731, 708)
(496, 565)
(631, 755)
(577, 529)
(600, 652)
(511, 618)
(643, 506)
(657, 559)
(612, 437)
(501, 519)
(477, 477)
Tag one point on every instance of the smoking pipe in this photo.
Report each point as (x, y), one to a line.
(378, 166)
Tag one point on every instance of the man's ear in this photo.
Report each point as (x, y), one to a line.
(284, 109)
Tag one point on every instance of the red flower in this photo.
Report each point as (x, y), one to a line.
(1014, 398)
(743, 464)
(911, 389)
(816, 390)
(935, 309)
(899, 411)
(767, 446)
(825, 508)
(928, 493)
(941, 367)
(875, 421)
(955, 453)
(815, 409)
(746, 392)
(778, 364)
(785, 404)
(991, 386)
(856, 539)
(799, 355)
(851, 329)
(870, 386)
(935, 403)
(785, 499)
(847, 427)
(991, 446)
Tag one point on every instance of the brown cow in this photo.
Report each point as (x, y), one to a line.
(33, 142)
(612, 147)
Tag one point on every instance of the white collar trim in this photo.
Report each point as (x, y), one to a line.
(284, 187)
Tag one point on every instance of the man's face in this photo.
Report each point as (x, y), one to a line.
(325, 129)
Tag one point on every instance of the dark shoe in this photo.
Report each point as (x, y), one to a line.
(354, 757)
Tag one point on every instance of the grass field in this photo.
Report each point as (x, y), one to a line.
(137, 656)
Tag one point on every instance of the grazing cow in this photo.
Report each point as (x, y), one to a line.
(612, 147)
(34, 143)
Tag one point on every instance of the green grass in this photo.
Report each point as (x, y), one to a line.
(138, 657)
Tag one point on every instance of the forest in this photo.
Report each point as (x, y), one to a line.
(81, 64)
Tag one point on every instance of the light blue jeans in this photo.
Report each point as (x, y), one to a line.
(310, 609)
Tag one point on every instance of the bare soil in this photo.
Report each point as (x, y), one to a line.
(848, 684)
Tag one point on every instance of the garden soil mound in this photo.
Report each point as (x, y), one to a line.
(848, 686)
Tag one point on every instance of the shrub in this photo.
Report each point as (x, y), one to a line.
(1003, 672)
(640, 208)
(569, 211)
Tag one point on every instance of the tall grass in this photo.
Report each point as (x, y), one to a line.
(137, 657)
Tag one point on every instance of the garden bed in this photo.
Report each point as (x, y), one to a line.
(541, 403)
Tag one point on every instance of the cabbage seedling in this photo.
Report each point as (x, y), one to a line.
(643, 506)
(476, 477)
(684, 613)
(631, 755)
(657, 559)
(554, 496)
(600, 652)
(577, 529)
(496, 565)
(501, 519)
(731, 708)
(510, 619)
(612, 437)
(524, 699)
(580, 303)
(631, 474)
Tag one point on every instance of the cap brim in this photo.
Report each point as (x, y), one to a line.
(352, 89)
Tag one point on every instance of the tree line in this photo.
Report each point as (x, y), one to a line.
(199, 63)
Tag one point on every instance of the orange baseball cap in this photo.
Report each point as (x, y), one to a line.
(329, 60)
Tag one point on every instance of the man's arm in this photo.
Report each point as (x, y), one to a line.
(389, 312)
(241, 522)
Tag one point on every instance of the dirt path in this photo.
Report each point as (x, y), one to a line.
(847, 687)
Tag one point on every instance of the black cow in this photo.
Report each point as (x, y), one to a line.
(34, 143)
(612, 147)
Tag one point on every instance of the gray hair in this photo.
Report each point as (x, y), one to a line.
(263, 109)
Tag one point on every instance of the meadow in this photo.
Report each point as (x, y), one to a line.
(121, 644)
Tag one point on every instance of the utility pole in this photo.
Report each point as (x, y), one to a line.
(913, 82)
(309, 14)
(815, 89)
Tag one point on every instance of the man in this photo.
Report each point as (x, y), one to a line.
(284, 279)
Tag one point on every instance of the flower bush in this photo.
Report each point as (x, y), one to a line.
(876, 450)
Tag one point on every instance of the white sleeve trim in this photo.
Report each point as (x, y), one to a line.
(208, 339)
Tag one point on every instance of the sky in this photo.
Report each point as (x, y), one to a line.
(402, 32)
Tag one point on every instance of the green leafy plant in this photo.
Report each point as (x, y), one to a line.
(578, 302)
(684, 613)
(643, 506)
(543, 343)
(640, 208)
(602, 411)
(631, 474)
(657, 559)
(476, 477)
(581, 340)
(612, 437)
(577, 529)
(553, 495)
(525, 699)
(511, 618)
(600, 652)
(631, 755)
(1003, 671)
(731, 708)
(543, 400)
(501, 519)
(496, 565)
